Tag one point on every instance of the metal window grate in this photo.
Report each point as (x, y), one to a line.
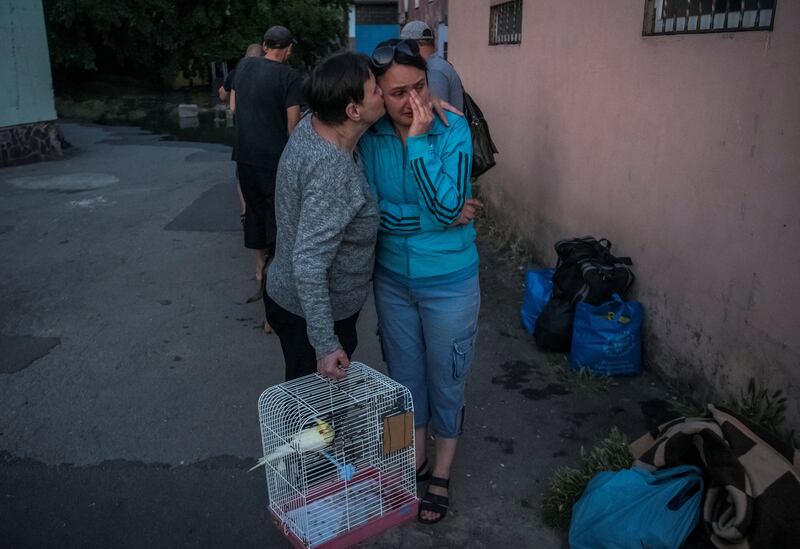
(702, 16)
(505, 23)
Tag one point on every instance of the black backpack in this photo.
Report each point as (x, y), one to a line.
(553, 331)
(587, 271)
(483, 149)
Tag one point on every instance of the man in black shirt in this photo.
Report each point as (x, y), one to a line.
(268, 94)
(224, 91)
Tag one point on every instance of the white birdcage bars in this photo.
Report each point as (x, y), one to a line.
(309, 496)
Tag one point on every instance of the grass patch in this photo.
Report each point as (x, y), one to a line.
(581, 379)
(756, 403)
(686, 408)
(510, 246)
(568, 483)
(508, 243)
(765, 408)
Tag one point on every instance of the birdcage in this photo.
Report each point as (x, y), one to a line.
(339, 457)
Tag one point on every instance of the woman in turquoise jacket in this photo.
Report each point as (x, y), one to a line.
(426, 277)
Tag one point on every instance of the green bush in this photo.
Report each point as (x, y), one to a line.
(568, 483)
(157, 39)
(766, 408)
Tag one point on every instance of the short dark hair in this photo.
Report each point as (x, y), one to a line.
(336, 81)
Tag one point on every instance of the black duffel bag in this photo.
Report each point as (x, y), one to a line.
(483, 149)
(587, 270)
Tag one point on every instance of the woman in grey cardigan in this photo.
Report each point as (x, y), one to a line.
(327, 222)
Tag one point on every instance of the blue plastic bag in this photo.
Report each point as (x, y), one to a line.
(538, 287)
(607, 338)
(635, 508)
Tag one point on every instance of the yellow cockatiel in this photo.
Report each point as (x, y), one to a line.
(308, 440)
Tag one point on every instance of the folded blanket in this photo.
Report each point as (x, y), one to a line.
(753, 477)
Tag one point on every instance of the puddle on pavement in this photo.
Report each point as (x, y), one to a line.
(657, 412)
(154, 111)
(552, 389)
(578, 418)
(515, 374)
(19, 352)
(506, 444)
(65, 183)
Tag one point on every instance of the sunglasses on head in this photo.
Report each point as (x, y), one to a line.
(384, 56)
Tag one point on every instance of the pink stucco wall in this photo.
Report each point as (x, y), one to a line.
(684, 151)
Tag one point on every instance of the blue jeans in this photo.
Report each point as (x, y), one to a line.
(428, 342)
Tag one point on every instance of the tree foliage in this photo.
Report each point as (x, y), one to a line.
(157, 39)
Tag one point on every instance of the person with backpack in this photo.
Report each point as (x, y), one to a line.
(443, 80)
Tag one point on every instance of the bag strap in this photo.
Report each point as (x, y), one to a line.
(686, 493)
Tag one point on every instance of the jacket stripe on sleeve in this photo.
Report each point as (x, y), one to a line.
(440, 211)
(391, 222)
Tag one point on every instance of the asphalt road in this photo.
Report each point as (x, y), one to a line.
(130, 367)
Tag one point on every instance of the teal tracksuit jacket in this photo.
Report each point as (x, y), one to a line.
(421, 190)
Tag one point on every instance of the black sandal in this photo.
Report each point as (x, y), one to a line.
(423, 472)
(434, 502)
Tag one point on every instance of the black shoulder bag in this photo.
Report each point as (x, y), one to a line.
(483, 149)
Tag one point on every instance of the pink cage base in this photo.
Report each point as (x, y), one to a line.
(402, 513)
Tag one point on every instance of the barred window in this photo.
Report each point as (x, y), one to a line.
(698, 16)
(505, 23)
